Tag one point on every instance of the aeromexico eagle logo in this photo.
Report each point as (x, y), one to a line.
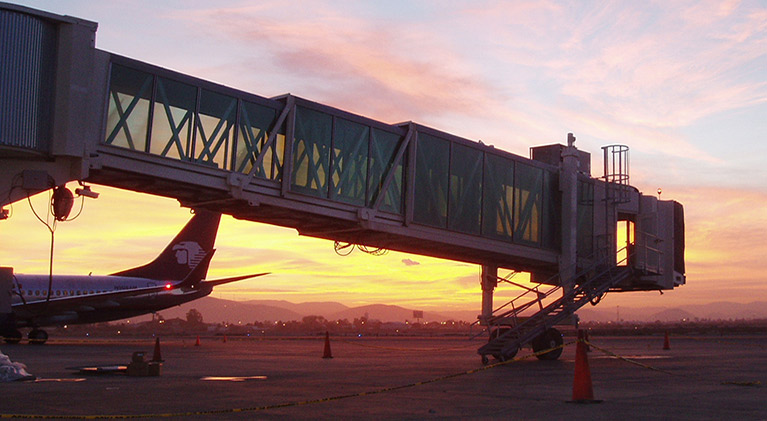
(189, 253)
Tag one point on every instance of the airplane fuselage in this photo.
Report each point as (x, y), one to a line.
(89, 299)
(174, 277)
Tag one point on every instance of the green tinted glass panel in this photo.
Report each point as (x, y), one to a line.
(130, 92)
(311, 152)
(465, 189)
(215, 128)
(431, 178)
(350, 162)
(255, 122)
(383, 150)
(498, 198)
(585, 230)
(528, 189)
(172, 119)
(551, 211)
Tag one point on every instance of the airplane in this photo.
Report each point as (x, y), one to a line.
(175, 277)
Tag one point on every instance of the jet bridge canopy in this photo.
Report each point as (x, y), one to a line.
(107, 119)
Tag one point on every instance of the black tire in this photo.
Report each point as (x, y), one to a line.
(505, 356)
(551, 338)
(37, 337)
(12, 337)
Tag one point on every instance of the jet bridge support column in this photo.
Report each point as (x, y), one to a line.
(569, 184)
(489, 282)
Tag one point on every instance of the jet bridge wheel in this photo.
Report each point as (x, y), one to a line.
(551, 338)
(12, 337)
(37, 336)
(505, 356)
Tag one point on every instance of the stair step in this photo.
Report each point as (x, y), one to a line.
(551, 314)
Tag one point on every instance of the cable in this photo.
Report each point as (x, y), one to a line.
(60, 204)
(344, 249)
(52, 228)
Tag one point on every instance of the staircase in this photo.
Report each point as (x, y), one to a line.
(600, 279)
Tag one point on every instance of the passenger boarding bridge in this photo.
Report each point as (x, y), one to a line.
(69, 111)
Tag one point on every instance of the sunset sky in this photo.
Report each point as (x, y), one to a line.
(682, 83)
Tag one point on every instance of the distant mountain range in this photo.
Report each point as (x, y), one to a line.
(712, 311)
(216, 310)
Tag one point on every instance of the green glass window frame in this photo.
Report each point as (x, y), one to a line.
(175, 111)
(311, 152)
(255, 122)
(383, 151)
(349, 162)
(498, 198)
(528, 204)
(212, 145)
(465, 191)
(129, 108)
(431, 182)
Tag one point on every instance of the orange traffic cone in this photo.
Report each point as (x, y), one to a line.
(327, 353)
(582, 389)
(198, 341)
(665, 342)
(157, 357)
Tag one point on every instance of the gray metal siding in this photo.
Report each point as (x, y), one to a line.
(27, 71)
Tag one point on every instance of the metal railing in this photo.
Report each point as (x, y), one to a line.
(516, 309)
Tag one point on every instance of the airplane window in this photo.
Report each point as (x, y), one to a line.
(58, 293)
(71, 293)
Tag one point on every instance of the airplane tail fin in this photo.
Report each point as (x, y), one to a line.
(185, 253)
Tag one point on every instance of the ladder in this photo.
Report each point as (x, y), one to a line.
(599, 279)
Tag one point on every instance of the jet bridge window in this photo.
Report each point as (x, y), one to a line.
(255, 122)
(173, 119)
(552, 205)
(349, 161)
(383, 150)
(465, 189)
(528, 201)
(585, 230)
(215, 128)
(431, 180)
(130, 92)
(498, 198)
(311, 152)
(624, 235)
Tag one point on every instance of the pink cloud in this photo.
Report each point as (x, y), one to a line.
(393, 72)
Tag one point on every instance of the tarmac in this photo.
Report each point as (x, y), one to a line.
(706, 377)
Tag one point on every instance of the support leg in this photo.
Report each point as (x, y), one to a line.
(489, 282)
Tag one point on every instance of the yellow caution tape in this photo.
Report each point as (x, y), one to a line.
(628, 360)
(754, 383)
(284, 405)
(403, 349)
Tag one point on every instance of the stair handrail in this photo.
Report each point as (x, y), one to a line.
(538, 320)
(516, 310)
